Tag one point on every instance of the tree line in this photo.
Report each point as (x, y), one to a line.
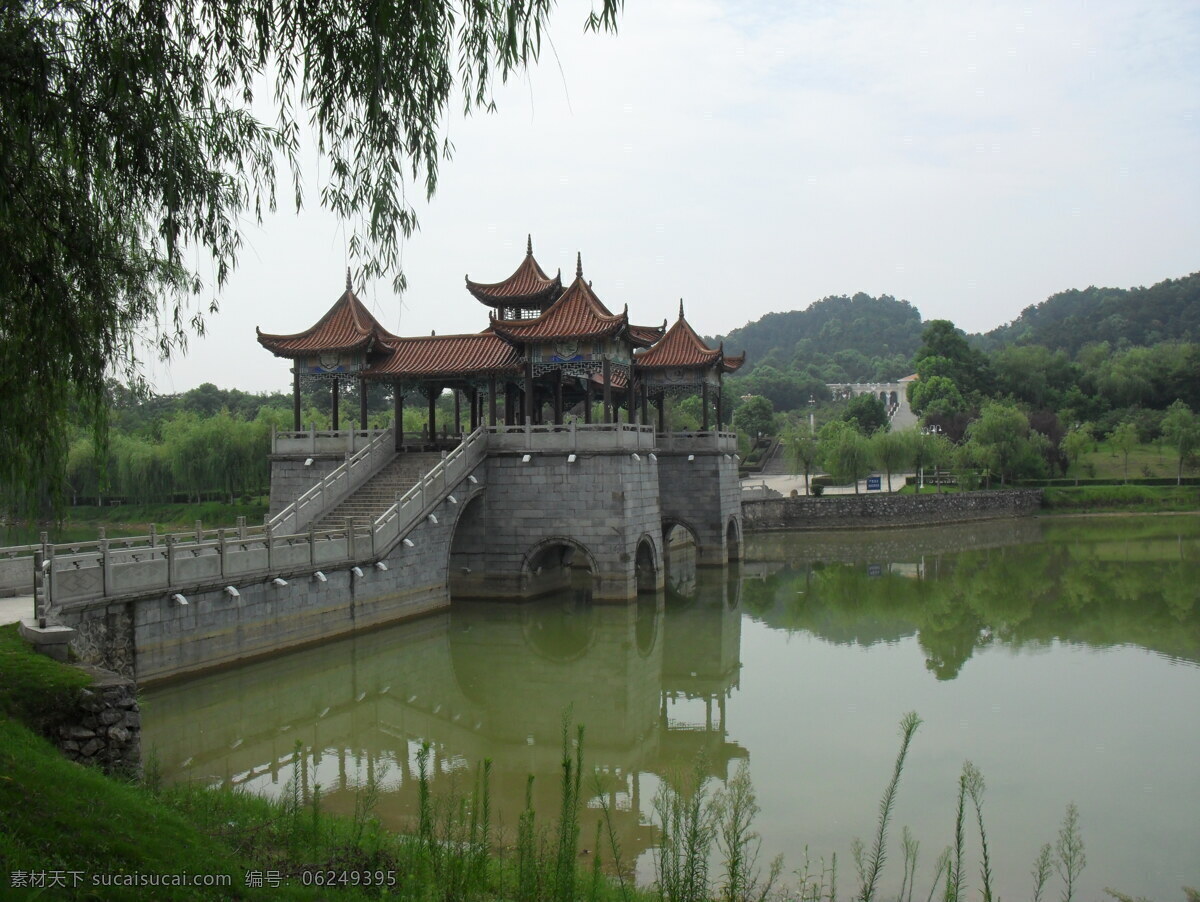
(1022, 411)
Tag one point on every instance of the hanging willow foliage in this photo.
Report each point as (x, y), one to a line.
(130, 149)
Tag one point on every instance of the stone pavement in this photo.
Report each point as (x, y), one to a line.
(15, 608)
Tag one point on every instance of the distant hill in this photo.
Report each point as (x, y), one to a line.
(1071, 319)
(853, 338)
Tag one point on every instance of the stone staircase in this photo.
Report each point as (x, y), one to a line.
(379, 493)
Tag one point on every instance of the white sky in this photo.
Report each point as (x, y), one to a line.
(751, 157)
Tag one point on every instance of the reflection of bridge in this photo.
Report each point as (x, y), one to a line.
(486, 679)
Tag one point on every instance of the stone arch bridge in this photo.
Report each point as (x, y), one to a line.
(510, 513)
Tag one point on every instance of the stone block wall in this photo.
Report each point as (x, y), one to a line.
(105, 728)
(289, 476)
(835, 512)
(705, 495)
(215, 628)
(602, 504)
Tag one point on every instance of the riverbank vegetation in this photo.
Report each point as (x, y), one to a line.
(290, 848)
(1086, 385)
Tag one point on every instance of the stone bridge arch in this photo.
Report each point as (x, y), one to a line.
(552, 564)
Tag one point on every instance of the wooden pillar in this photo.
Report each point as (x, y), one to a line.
(474, 408)
(362, 403)
(662, 417)
(558, 402)
(527, 407)
(433, 396)
(645, 406)
(588, 400)
(333, 417)
(510, 405)
(457, 414)
(492, 400)
(718, 401)
(296, 396)
(704, 404)
(608, 418)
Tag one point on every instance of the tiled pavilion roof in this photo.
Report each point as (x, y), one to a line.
(645, 336)
(346, 326)
(527, 287)
(577, 314)
(446, 356)
(682, 347)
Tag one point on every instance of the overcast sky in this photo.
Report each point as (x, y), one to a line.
(971, 158)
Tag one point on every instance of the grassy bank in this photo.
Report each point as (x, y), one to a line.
(80, 523)
(1121, 498)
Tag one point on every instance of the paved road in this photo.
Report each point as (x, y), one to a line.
(16, 608)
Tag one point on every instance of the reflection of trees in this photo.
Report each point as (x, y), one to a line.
(1101, 583)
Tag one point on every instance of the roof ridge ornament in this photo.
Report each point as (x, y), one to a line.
(529, 244)
(578, 265)
(348, 288)
(681, 308)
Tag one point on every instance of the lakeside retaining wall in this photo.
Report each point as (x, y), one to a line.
(858, 511)
(105, 727)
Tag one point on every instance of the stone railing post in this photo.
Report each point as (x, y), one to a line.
(105, 567)
(153, 536)
(267, 537)
(241, 527)
(171, 560)
(199, 532)
(350, 538)
(221, 551)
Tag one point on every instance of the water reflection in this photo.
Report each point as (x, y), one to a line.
(660, 683)
(1024, 583)
(485, 679)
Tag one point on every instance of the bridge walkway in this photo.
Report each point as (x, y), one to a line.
(372, 500)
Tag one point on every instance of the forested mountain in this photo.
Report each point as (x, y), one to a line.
(839, 339)
(1069, 320)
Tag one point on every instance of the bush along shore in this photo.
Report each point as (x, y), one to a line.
(70, 832)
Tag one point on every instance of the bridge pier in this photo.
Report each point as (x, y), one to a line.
(699, 490)
(549, 512)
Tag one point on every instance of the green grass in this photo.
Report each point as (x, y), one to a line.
(80, 523)
(1145, 461)
(1136, 498)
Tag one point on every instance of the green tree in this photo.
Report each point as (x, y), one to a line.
(1001, 437)
(802, 452)
(138, 139)
(935, 396)
(1182, 431)
(844, 452)
(1075, 443)
(754, 417)
(1124, 438)
(866, 413)
(891, 450)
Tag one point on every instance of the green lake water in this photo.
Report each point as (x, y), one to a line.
(1061, 656)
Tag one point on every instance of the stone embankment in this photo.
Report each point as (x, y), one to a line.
(857, 511)
(105, 728)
